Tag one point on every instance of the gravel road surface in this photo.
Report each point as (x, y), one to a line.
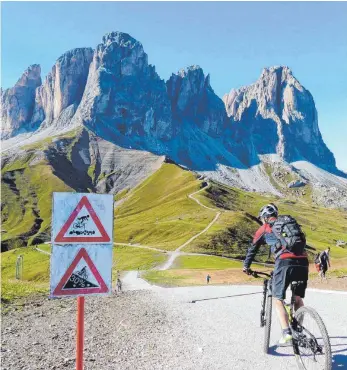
(149, 327)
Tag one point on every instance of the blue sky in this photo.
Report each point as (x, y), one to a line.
(232, 41)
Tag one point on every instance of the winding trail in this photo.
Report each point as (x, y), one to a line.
(177, 252)
(42, 251)
(142, 247)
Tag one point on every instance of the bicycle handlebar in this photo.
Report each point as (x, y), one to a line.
(256, 273)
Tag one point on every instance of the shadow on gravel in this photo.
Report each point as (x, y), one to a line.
(339, 360)
(273, 351)
(227, 296)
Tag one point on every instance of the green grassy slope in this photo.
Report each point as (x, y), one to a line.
(27, 184)
(35, 273)
(128, 258)
(208, 263)
(234, 228)
(26, 207)
(159, 213)
(36, 268)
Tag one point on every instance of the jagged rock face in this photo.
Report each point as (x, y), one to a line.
(124, 94)
(17, 103)
(64, 85)
(193, 99)
(278, 115)
(119, 97)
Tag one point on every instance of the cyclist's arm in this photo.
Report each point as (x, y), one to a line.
(258, 240)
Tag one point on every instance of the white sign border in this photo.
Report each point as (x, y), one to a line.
(94, 199)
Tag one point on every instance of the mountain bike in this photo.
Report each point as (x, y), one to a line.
(311, 344)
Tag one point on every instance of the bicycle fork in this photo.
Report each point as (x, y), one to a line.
(262, 312)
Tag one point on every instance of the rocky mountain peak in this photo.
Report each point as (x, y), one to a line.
(31, 77)
(120, 38)
(63, 86)
(277, 114)
(124, 95)
(193, 99)
(121, 54)
(114, 92)
(17, 103)
(283, 71)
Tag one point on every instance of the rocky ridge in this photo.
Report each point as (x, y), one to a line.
(281, 118)
(249, 139)
(17, 103)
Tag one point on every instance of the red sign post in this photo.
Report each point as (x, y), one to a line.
(81, 261)
(80, 333)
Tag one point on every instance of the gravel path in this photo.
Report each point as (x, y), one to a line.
(177, 252)
(158, 328)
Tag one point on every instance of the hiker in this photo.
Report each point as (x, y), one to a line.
(119, 285)
(324, 262)
(208, 278)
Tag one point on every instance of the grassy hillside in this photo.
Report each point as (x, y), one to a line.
(36, 268)
(27, 203)
(159, 213)
(156, 213)
(232, 232)
(207, 263)
(35, 273)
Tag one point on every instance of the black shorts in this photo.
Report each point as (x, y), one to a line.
(286, 271)
(324, 267)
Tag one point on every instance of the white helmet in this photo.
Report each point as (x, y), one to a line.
(269, 210)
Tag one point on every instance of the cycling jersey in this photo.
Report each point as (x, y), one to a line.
(264, 235)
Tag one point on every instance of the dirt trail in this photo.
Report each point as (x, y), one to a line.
(177, 252)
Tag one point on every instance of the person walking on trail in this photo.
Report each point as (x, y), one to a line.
(287, 242)
(208, 278)
(324, 262)
(119, 285)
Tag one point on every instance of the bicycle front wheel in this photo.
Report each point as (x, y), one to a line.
(311, 341)
(268, 314)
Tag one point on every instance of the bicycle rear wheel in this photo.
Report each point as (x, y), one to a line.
(311, 341)
(268, 314)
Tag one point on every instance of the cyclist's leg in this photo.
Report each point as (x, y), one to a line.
(281, 313)
(279, 286)
(299, 272)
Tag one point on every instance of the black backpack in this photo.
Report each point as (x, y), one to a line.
(289, 232)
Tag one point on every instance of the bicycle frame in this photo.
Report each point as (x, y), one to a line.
(267, 293)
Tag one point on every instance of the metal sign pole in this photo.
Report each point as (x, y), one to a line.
(19, 267)
(80, 333)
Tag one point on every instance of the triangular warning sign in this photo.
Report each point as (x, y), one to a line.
(82, 277)
(83, 226)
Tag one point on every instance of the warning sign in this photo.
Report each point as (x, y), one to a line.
(82, 218)
(81, 270)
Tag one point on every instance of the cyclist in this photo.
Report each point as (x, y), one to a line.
(288, 266)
